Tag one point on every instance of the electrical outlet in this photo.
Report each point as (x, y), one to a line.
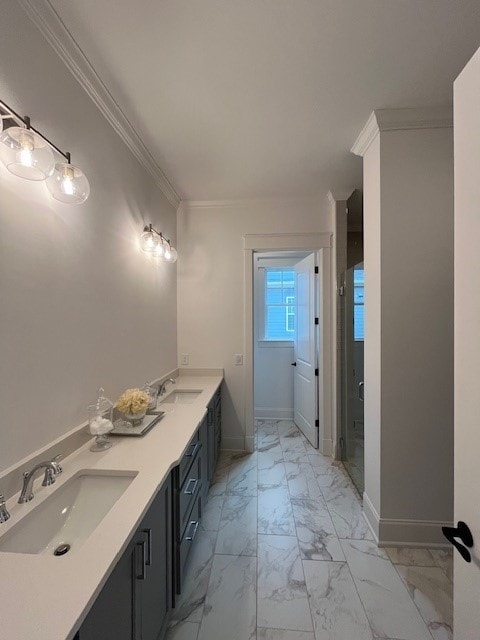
(238, 358)
(185, 358)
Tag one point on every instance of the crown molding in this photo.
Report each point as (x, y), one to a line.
(339, 196)
(47, 20)
(366, 136)
(401, 120)
(226, 204)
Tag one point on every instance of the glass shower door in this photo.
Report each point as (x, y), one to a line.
(352, 442)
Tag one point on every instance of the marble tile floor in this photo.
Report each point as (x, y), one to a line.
(284, 554)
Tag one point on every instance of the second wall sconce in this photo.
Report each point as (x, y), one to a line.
(155, 243)
(29, 154)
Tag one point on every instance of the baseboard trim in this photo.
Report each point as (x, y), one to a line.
(273, 413)
(371, 516)
(234, 443)
(250, 444)
(393, 532)
(327, 447)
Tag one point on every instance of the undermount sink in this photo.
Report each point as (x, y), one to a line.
(64, 520)
(182, 396)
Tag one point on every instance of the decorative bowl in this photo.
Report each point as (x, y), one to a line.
(134, 418)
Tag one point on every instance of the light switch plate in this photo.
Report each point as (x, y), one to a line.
(238, 358)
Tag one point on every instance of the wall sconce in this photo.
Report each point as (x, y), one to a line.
(29, 154)
(155, 243)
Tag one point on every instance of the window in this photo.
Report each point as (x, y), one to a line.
(290, 319)
(279, 303)
(358, 304)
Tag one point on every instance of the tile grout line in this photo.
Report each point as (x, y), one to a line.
(298, 550)
(213, 557)
(412, 599)
(345, 562)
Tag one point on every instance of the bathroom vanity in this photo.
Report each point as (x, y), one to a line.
(122, 581)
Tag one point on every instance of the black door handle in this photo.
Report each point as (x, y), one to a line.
(294, 364)
(463, 532)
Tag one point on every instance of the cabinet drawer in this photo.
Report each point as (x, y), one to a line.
(189, 491)
(193, 522)
(188, 457)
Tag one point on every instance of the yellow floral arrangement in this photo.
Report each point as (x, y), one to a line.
(133, 402)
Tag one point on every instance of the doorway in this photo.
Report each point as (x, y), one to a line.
(286, 339)
(318, 244)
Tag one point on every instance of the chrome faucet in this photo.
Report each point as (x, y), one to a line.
(52, 469)
(162, 387)
(4, 515)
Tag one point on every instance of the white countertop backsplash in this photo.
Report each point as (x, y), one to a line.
(47, 597)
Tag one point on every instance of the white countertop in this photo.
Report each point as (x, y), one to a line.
(47, 598)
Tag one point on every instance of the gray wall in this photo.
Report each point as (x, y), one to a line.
(417, 323)
(211, 285)
(80, 304)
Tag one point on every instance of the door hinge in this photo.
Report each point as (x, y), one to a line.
(316, 270)
(341, 290)
(342, 444)
(316, 372)
(317, 422)
(316, 320)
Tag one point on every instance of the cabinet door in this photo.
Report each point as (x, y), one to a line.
(112, 616)
(204, 457)
(155, 589)
(211, 439)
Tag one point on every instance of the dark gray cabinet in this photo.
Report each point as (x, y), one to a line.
(154, 584)
(203, 435)
(112, 616)
(214, 424)
(135, 602)
(188, 495)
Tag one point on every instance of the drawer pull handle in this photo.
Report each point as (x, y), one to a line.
(194, 524)
(148, 532)
(191, 486)
(193, 451)
(140, 546)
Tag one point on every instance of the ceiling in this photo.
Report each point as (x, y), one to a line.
(264, 98)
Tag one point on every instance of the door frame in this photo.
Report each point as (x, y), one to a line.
(321, 244)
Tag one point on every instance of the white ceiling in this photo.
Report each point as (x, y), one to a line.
(264, 98)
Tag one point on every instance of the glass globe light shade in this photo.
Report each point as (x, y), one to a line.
(148, 240)
(160, 249)
(171, 254)
(26, 154)
(68, 184)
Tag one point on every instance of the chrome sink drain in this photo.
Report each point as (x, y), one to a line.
(62, 549)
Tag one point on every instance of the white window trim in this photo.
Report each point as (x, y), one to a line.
(278, 344)
(261, 263)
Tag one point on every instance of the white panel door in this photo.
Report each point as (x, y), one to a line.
(467, 345)
(305, 384)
